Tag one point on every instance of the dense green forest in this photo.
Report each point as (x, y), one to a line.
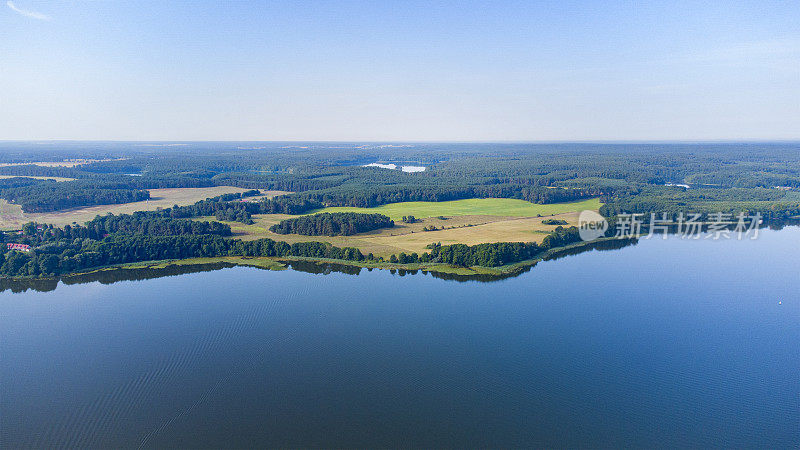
(628, 177)
(138, 223)
(109, 240)
(673, 200)
(332, 224)
(48, 195)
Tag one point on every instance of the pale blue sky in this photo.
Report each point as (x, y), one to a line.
(381, 70)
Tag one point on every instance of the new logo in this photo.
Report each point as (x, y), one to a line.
(591, 225)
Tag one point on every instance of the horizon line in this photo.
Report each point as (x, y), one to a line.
(510, 141)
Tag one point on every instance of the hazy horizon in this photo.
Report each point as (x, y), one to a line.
(412, 141)
(360, 71)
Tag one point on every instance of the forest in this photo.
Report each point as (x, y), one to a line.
(627, 177)
(110, 240)
(332, 224)
(47, 195)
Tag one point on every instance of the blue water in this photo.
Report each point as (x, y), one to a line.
(663, 344)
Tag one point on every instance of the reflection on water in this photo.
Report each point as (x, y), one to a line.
(779, 224)
(324, 268)
(109, 276)
(600, 246)
(314, 267)
(605, 349)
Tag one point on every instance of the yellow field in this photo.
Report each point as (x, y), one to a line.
(468, 229)
(12, 217)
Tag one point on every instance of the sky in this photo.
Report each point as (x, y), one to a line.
(400, 70)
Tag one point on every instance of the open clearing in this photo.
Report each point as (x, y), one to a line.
(470, 207)
(12, 217)
(463, 223)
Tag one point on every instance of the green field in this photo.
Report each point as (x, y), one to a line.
(508, 207)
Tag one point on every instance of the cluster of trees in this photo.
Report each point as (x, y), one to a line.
(64, 256)
(332, 224)
(269, 247)
(409, 219)
(228, 208)
(554, 222)
(35, 234)
(139, 223)
(48, 195)
(234, 215)
(242, 211)
(492, 254)
(237, 195)
(488, 255)
(560, 237)
(413, 258)
(376, 195)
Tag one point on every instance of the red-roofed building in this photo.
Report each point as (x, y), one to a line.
(20, 247)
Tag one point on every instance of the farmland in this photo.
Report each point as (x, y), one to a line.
(12, 217)
(469, 222)
(507, 207)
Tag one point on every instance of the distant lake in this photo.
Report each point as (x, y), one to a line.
(409, 169)
(666, 343)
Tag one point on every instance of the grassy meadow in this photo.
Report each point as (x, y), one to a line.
(469, 222)
(508, 207)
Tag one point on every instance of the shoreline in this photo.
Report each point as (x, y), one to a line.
(284, 263)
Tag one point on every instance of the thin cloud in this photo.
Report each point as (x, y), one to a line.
(27, 13)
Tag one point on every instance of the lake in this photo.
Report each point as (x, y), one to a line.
(404, 168)
(666, 343)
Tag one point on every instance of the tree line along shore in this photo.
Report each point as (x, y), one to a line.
(669, 180)
(113, 240)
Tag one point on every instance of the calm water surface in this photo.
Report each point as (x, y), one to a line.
(663, 344)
